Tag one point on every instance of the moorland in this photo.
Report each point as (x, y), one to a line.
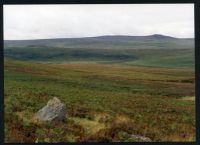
(113, 87)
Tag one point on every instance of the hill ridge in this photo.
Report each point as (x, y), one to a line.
(102, 36)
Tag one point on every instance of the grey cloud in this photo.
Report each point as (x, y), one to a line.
(64, 21)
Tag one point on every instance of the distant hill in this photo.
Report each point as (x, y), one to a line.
(109, 41)
(135, 38)
(152, 50)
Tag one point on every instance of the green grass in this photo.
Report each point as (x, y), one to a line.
(160, 57)
(149, 99)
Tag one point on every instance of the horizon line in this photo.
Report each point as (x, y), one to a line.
(98, 36)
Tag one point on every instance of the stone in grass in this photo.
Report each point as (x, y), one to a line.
(140, 138)
(55, 110)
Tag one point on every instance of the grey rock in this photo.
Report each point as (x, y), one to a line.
(140, 138)
(55, 110)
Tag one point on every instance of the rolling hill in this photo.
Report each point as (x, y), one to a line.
(152, 50)
(114, 87)
(116, 41)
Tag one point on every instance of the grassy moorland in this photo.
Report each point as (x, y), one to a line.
(138, 57)
(153, 50)
(113, 87)
(105, 101)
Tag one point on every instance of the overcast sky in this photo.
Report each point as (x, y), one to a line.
(66, 21)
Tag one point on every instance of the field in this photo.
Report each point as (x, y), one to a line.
(114, 87)
(161, 57)
(150, 93)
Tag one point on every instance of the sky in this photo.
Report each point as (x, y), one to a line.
(22, 22)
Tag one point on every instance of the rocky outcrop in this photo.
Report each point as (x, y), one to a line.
(55, 110)
(140, 138)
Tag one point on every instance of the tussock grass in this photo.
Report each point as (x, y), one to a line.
(104, 102)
